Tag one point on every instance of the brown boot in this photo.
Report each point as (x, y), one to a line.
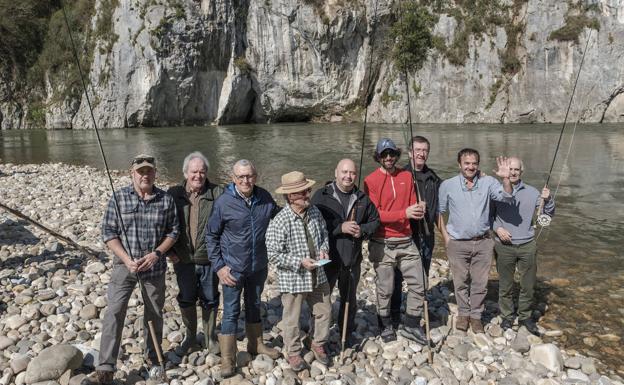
(461, 323)
(99, 377)
(476, 326)
(228, 354)
(209, 321)
(255, 343)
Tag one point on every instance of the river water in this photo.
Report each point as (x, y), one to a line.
(581, 257)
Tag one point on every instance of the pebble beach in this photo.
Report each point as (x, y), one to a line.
(53, 298)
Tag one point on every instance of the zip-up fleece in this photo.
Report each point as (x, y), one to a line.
(391, 194)
(343, 247)
(235, 232)
(183, 246)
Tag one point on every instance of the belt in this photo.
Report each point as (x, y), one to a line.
(477, 238)
(392, 242)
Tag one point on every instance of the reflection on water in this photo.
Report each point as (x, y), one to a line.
(583, 244)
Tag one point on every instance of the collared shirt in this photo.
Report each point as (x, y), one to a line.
(517, 216)
(469, 209)
(193, 198)
(287, 246)
(247, 199)
(146, 222)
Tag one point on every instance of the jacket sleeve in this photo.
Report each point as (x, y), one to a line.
(172, 226)
(214, 230)
(549, 206)
(333, 223)
(277, 250)
(370, 221)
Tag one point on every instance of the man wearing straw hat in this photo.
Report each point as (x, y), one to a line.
(147, 230)
(296, 239)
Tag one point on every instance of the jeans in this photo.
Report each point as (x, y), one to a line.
(197, 282)
(251, 287)
(336, 271)
(425, 246)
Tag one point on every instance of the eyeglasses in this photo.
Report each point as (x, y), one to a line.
(420, 151)
(241, 178)
(141, 160)
(386, 153)
(303, 193)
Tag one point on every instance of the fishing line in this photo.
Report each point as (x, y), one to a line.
(110, 179)
(544, 219)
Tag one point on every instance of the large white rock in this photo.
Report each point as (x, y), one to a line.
(547, 355)
(52, 362)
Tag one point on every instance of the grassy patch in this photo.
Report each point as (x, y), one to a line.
(243, 65)
(577, 18)
(412, 37)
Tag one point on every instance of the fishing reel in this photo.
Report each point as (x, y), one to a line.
(158, 375)
(544, 220)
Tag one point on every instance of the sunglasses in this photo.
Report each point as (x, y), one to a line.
(386, 153)
(142, 160)
(303, 193)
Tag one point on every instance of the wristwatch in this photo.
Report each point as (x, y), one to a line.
(158, 253)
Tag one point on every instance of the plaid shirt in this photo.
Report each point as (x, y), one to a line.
(147, 223)
(287, 247)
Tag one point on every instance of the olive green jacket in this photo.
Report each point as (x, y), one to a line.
(183, 246)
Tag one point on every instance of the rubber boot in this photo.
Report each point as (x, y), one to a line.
(228, 354)
(413, 331)
(189, 319)
(255, 343)
(209, 320)
(387, 331)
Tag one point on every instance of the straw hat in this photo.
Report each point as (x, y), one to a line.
(294, 182)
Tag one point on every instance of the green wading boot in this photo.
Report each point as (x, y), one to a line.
(255, 343)
(189, 344)
(209, 320)
(228, 354)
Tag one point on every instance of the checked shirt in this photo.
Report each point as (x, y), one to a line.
(287, 246)
(147, 223)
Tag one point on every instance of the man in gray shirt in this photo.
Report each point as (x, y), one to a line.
(515, 245)
(469, 247)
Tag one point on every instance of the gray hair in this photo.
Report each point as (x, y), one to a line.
(244, 163)
(520, 160)
(190, 157)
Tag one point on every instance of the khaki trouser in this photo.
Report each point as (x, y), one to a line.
(508, 258)
(385, 256)
(119, 291)
(470, 265)
(319, 301)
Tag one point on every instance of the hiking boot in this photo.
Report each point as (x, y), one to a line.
(99, 377)
(255, 343)
(319, 354)
(387, 331)
(189, 319)
(506, 324)
(413, 331)
(461, 323)
(228, 354)
(209, 322)
(530, 325)
(476, 326)
(297, 363)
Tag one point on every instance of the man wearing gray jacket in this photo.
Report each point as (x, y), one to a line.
(515, 245)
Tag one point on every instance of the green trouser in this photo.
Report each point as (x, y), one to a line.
(508, 258)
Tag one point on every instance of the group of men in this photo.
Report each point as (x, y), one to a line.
(230, 235)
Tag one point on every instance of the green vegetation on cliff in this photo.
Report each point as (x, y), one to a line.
(576, 20)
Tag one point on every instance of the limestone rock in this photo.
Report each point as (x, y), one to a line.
(52, 362)
(547, 355)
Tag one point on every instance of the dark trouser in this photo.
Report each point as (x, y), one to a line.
(425, 246)
(336, 271)
(508, 257)
(470, 263)
(119, 291)
(197, 282)
(251, 287)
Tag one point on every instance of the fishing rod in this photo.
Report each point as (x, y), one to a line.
(423, 228)
(544, 219)
(345, 317)
(152, 331)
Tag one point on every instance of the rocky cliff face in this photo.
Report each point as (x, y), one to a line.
(228, 61)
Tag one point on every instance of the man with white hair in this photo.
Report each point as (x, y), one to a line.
(197, 281)
(515, 245)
